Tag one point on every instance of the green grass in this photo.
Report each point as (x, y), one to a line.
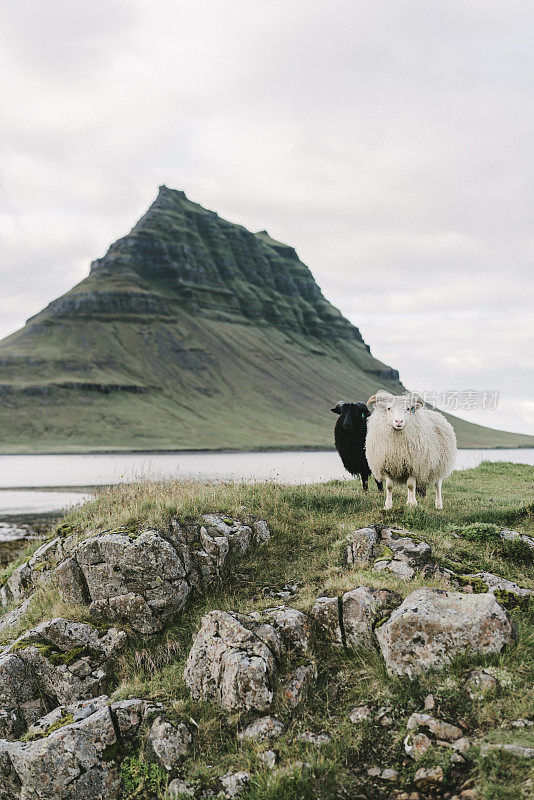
(308, 524)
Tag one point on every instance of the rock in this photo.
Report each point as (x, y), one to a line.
(389, 774)
(480, 684)
(287, 591)
(15, 616)
(432, 626)
(234, 657)
(392, 549)
(426, 778)
(513, 749)
(462, 745)
(358, 548)
(235, 783)
(269, 758)
(318, 739)
(360, 714)
(416, 745)
(140, 582)
(360, 609)
(168, 744)
(73, 761)
(295, 686)
(57, 662)
(511, 536)
(262, 729)
(374, 772)
(429, 702)
(143, 580)
(229, 664)
(325, 612)
(383, 717)
(35, 572)
(495, 583)
(177, 789)
(293, 627)
(129, 715)
(440, 729)
(522, 723)
(262, 533)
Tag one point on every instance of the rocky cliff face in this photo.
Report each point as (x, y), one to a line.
(182, 316)
(190, 333)
(181, 253)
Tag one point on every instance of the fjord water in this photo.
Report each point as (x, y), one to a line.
(21, 476)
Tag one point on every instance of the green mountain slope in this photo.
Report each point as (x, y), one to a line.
(190, 333)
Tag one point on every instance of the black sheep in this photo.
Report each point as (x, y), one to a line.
(349, 436)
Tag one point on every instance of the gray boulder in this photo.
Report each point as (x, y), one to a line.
(168, 744)
(142, 581)
(360, 609)
(432, 626)
(325, 611)
(350, 619)
(262, 729)
(230, 665)
(73, 762)
(235, 783)
(234, 657)
(35, 572)
(57, 662)
(391, 549)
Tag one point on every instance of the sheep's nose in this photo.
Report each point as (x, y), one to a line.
(398, 422)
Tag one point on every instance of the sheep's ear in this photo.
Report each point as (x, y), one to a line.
(372, 399)
(418, 402)
(338, 408)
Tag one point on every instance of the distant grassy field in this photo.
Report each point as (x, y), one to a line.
(258, 388)
(308, 523)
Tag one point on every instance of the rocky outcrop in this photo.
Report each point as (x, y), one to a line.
(25, 579)
(57, 662)
(168, 743)
(391, 549)
(262, 729)
(139, 580)
(72, 754)
(432, 626)
(349, 620)
(235, 657)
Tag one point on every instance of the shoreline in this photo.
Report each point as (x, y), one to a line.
(222, 451)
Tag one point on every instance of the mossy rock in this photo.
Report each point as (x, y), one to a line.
(56, 656)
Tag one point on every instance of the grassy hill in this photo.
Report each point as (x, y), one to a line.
(190, 333)
(308, 525)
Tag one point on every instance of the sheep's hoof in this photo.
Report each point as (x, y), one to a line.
(439, 506)
(412, 503)
(388, 506)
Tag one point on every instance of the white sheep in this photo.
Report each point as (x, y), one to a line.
(409, 444)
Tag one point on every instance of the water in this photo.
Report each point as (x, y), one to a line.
(61, 471)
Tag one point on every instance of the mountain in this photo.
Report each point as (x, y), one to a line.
(190, 333)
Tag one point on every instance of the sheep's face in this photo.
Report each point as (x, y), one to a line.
(353, 415)
(398, 410)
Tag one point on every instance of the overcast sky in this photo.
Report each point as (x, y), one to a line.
(389, 142)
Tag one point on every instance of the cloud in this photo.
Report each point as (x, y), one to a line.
(389, 143)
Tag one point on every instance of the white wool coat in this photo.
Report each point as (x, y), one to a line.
(424, 449)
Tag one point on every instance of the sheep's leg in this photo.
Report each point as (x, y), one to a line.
(389, 494)
(379, 485)
(412, 499)
(439, 501)
(365, 485)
